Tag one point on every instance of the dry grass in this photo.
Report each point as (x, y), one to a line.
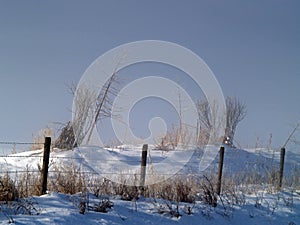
(69, 179)
(183, 136)
(8, 190)
(28, 183)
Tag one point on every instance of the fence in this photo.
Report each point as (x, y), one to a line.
(44, 170)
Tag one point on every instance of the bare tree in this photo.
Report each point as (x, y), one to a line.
(208, 122)
(235, 113)
(91, 107)
(103, 104)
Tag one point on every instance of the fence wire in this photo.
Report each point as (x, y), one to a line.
(19, 143)
(231, 162)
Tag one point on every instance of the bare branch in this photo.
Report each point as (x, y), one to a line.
(291, 135)
(235, 113)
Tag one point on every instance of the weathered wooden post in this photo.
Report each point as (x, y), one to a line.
(220, 169)
(143, 166)
(45, 167)
(282, 154)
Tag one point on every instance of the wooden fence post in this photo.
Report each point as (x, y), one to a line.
(282, 154)
(143, 166)
(46, 157)
(220, 169)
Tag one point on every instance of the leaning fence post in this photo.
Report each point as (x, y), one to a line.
(220, 169)
(282, 154)
(143, 166)
(46, 157)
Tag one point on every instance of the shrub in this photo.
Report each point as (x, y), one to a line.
(68, 179)
(103, 206)
(8, 191)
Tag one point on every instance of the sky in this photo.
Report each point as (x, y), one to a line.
(252, 47)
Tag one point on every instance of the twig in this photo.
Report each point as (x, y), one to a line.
(291, 134)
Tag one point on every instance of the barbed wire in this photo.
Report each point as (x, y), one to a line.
(21, 156)
(101, 174)
(19, 171)
(18, 143)
(107, 160)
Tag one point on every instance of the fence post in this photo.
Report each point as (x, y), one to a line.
(282, 154)
(143, 166)
(220, 169)
(46, 157)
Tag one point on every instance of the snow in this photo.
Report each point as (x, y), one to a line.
(55, 208)
(257, 207)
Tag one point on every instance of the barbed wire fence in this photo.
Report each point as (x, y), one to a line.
(42, 171)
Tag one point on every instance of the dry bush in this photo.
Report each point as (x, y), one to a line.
(233, 193)
(100, 186)
(176, 136)
(170, 140)
(8, 190)
(167, 208)
(26, 206)
(103, 187)
(208, 194)
(127, 192)
(103, 206)
(68, 179)
(20, 185)
(28, 183)
(177, 189)
(66, 139)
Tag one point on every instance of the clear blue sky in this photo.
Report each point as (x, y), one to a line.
(252, 47)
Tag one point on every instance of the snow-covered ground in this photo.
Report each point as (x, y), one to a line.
(259, 207)
(54, 208)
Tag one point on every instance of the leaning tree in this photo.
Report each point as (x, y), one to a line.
(91, 107)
